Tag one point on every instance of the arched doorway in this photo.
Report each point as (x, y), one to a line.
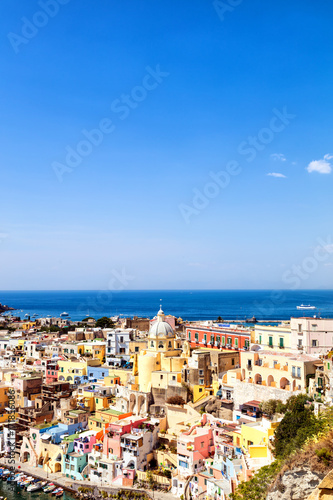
(284, 384)
(258, 379)
(57, 467)
(270, 381)
(26, 456)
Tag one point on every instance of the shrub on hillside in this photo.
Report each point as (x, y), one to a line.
(176, 400)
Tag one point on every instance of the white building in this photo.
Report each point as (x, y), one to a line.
(136, 446)
(312, 335)
(118, 346)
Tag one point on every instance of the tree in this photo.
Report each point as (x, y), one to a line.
(272, 406)
(104, 322)
(176, 400)
(298, 424)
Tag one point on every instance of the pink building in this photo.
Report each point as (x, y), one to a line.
(312, 335)
(85, 443)
(193, 447)
(112, 438)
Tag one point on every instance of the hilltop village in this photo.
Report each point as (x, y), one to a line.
(155, 402)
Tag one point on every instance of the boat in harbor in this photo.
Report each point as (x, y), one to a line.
(64, 315)
(306, 307)
(49, 488)
(36, 486)
(58, 492)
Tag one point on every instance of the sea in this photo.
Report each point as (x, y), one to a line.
(17, 493)
(190, 305)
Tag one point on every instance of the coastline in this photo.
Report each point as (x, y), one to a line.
(72, 486)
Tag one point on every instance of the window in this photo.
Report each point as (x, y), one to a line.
(228, 394)
(247, 344)
(314, 328)
(314, 343)
(173, 377)
(233, 361)
(137, 348)
(223, 340)
(200, 389)
(299, 328)
(189, 335)
(202, 444)
(161, 377)
(293, 371)
(121, 340)
(328, 366)
(229, 340)
(196, 337)
(236, 342)
(281, 342)
(298, 372)
(201, 381)
(183, 464)
(274, 364)
(270, 341)
(201, 372)
(205, 338)
(212, 339)
(151, 344)
(260, 339)
(218, 339)
(300, 342)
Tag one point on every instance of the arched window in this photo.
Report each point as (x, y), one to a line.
(170, 345)
(152, 344)
(160, 346)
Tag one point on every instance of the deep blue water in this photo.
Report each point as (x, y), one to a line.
(189, 305)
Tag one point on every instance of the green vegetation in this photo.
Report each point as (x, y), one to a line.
(104, 323)
(256, 487)
(301, 439)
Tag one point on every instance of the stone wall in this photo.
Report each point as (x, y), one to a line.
(244, 392)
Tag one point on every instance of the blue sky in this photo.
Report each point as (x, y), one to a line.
(195, 86)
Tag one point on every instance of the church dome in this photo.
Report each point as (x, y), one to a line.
(161, 328)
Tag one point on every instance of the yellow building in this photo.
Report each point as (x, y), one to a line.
(92, 401)
(273, 337)
(278, 369)
(117, 376)
(254, 438)
(95, 349)
(73, 370)
(163, 354)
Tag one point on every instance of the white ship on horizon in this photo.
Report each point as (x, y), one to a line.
(303, 306)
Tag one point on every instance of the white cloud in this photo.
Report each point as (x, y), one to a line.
(278, 156)
(322, 166)
(276, 174)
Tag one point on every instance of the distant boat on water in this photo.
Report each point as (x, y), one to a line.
(303, 306)
(64, 314)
